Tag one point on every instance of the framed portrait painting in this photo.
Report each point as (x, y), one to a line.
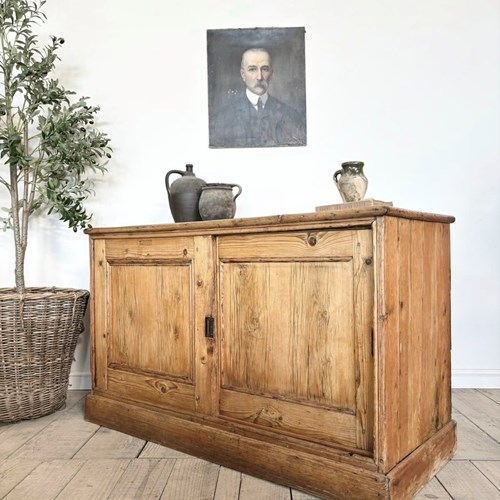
(256, 87)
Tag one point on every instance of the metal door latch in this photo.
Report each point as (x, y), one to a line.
(209, 327)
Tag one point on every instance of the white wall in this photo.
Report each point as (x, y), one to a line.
(411, 88)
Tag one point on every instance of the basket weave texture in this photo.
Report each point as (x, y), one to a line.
(39, 331)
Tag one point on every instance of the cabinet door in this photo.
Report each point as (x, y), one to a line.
(296, 325)
(152, 297)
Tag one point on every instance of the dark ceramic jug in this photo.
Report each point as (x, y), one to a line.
(217, 201)
(184, 195)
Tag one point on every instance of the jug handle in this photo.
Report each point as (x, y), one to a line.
(167, 185)
(335, 176)
(239, 189)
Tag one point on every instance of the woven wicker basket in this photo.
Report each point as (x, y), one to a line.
(38, 334)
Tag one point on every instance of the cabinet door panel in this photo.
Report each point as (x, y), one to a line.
(150, 319)
(288, 331)
(296, 320)
(149, 316)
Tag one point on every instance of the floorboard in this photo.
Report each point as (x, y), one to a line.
(144, 478)
(228, 484)
(473, 442)
(479, 409)
(47, 480)
(106, 443)
(462, 479)
(62, 456)
(433, 490)
(191, 478)
(13, 472)
(95, 479)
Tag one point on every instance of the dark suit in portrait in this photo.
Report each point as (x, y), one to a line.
(241, 125)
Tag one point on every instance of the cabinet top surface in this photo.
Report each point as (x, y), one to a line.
(347, 217)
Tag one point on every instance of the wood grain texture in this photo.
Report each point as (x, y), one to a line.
(95, 479)
(286, 222)
(47, 480)
(491, 470)
(294, 245)
(106, 443)
(293, 330)
(326, 477)
(204, 306)
(473, 442)
(481, 410)
(252, 488)
(155, 389)
(99, 307)
(191, 478)
(363, 314)
(493, 394)
(418, 468)
(413, 336)
(151, 331)
(331, 346)
(304, 421)
(13, 472)
(464, 480)
(153, 450)
(300, 495)
(155, 249)
(145, 478)
(62, 438)
(228, 484)
(285, 325)
(17, 435)
(433, 490)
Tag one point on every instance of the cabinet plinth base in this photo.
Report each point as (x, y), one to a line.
(319, 475)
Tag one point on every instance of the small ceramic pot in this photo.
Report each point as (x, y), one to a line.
(217, 201)
(352, 184)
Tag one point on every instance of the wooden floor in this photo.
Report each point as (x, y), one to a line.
(62, 456)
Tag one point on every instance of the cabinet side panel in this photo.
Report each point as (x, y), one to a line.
(413, 336)
(443, 325)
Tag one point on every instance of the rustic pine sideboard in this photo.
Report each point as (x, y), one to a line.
(312, 350)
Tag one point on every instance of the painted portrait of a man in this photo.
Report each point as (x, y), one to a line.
(256, 84)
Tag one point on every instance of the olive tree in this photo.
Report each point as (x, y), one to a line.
(49, 145)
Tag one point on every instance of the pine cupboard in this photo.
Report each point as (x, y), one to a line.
(312, 350)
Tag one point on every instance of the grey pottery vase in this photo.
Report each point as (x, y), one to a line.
(217, 201)
(184, 194)
(351, 181)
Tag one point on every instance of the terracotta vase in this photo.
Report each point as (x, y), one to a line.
(217, 201)
(184, 194)
(351, 181)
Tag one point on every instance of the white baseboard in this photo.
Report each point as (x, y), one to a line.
(475, 379)
(79, 382)
(460, 379)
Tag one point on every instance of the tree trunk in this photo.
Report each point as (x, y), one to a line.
(20, 234)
